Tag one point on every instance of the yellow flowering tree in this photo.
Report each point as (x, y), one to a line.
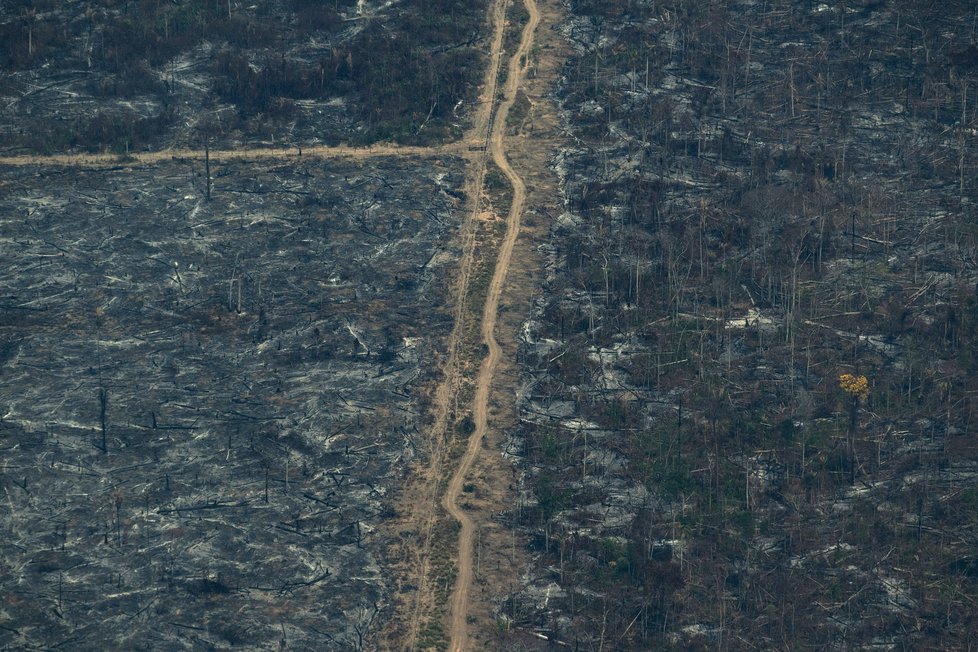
(856, 387)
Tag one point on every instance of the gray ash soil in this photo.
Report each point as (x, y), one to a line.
(252, 367)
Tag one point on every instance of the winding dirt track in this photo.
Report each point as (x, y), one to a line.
(458, 631)
(423, 511)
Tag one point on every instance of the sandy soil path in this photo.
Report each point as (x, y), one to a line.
(250, 153)
(458, 631)
(423, 499)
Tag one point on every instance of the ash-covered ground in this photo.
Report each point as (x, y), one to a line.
(204, 404)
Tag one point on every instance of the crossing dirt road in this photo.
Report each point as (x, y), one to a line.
(247, 153)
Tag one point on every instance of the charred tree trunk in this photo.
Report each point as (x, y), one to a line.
(103, 401)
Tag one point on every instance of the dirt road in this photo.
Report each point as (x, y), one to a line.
(458, 631)
(250, 153)
(421, 501)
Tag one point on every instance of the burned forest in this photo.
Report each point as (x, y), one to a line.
(507, 324)
(206, 403)
(747, 394)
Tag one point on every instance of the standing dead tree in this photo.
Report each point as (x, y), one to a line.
(103, 402)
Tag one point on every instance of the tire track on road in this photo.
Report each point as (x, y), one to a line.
(458, 631)
(424, 513)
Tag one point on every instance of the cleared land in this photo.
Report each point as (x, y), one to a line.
(206, 405)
